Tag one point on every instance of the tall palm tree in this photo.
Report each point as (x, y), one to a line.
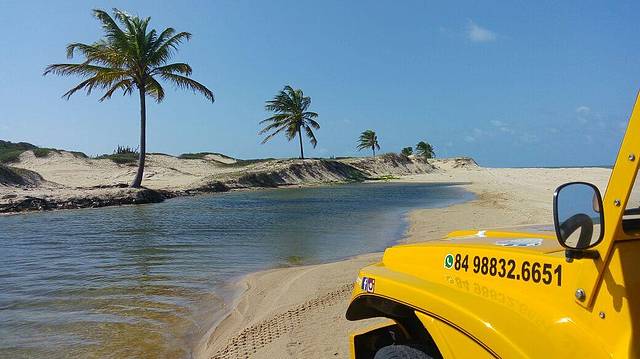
(368, 139)
(130, 58)
(425, 150)
(291, 116)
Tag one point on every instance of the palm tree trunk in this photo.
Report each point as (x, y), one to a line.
(143, 145)
(300, 137)
(374, 151)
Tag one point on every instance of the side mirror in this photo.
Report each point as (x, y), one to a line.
(578, 216)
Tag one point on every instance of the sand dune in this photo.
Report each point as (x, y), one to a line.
(72, 181)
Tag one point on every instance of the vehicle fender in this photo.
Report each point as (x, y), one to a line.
(451, 342)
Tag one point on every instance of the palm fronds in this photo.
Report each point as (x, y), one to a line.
(291, 117)
(424, 149)
(127, 57)
(368, 139)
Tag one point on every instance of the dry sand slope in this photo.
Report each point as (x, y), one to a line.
(71, 181)
(299, 312)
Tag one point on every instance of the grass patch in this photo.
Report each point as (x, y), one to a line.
(10, 156)
(385, 178)
(43, 152)
(78, 154)
(194, 156)
(120, 158)
(242, 163)
(202, 155)
(10, 151)
(122, 155)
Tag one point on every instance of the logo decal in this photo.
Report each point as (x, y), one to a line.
(521, 242)
(448, 261)
(368, 285)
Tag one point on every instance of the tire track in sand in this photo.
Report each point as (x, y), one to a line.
(259, 335)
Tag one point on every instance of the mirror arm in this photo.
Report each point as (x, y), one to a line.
(572, 254)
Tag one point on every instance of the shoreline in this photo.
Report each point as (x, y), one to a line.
(280, 315)
(64, 181)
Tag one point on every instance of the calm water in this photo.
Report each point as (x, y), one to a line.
(146, 281)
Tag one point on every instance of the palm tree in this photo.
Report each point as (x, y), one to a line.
(425, 150)
(368, 139)
(407, 151)
(291, 116)
(128, 59)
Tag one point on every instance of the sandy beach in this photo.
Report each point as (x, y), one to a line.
(299, 312)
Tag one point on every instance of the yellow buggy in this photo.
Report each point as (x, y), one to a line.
(567, 291)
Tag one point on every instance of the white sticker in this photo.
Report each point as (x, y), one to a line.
(521, 242)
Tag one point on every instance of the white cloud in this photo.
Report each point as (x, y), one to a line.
(507, 130)
(476, 134)
(584, 113)
(502, 126)
(583, 110)
(477, 33)
(529, 138)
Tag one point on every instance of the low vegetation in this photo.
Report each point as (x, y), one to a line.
(407, 151)
(12, 176)
(385, 178)
(10, 152)
(122, 155)
(201, 155)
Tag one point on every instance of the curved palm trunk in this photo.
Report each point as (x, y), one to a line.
(143, 146)
(300, 137)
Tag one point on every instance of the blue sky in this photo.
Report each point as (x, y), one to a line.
(508, 83)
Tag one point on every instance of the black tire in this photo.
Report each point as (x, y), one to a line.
(400, 352)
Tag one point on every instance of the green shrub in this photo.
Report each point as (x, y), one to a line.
(124, 158)
(121, 159)
(242, 163)
(78, 154)
(9, 156)
(194, 156)
(42, 152)
(122, 155)
(201, 155)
